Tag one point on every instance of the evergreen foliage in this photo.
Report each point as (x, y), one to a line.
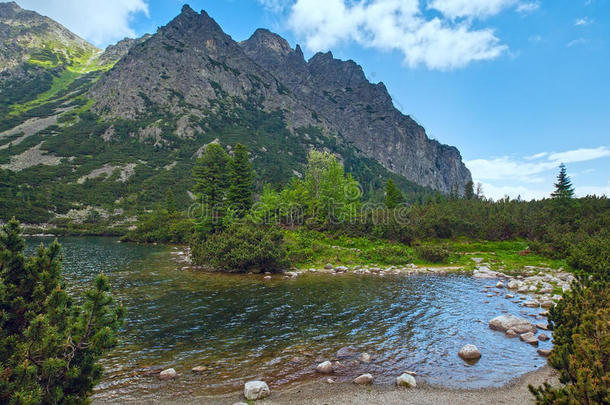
(563, 187)
(581, 353)
(469, 190)
(241, 176)
(49, 345)
(393, 196)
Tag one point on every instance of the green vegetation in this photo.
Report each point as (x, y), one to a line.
(393, 196)
(49, 344)
(581, 353)
(563, 187)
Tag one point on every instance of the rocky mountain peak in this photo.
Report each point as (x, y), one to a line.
(6, 9)
(263, 39)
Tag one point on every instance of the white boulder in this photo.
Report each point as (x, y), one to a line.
(254, 390)
(406, 380)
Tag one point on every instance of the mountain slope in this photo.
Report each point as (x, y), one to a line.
(111, 133)
(363, 112)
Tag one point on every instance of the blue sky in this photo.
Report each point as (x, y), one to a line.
(517, 85)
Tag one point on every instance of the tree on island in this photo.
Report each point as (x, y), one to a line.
(49, 344)
(241, 176)
(563, 187)
(393, 196)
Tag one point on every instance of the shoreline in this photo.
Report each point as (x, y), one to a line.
(319, 392)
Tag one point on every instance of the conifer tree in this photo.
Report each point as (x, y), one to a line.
(469, 190)
(241, 175)
(211, 175)
(393, 196)
(563, 187)
(49, 345)
(170, 203)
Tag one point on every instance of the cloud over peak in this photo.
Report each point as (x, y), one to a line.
(437, 34)
(101, 22)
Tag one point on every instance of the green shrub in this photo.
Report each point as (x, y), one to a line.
(432, 253)
(242, 248)
(49, 344)
(592, 255)
(581, 323)
(392, 255)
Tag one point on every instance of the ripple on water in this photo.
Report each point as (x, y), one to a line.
(242, 328)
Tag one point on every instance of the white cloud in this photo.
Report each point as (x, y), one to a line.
(499, 175)
(525, 8)
(394, 25)
(470, 8)
(580, 155)
(101, 22)
(578, 41)
(581, 22)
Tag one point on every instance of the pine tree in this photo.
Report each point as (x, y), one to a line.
(469, 190)
(393, 196)
(563, 187)
(241, 175)
(49, 345)
(211, 175)
(170, 203)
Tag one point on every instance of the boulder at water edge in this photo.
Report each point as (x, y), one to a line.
(406, 380)
(506, 322)
(325, 367)
(168, 374)
(254, 390)
(348, 351)
(530, 338)
(469, 353)
(363, 379)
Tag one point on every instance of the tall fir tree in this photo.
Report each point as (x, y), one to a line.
(393, 196)
(170, 203)
(241, 176)
(211, 175)
(469, 190)
(49, 345)
(563, 187)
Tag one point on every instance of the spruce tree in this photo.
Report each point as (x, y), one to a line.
(211, 175)
(241, 175)
(469, 190)
(563, 187)
(393, 196)
(170, 203)
(49, 345)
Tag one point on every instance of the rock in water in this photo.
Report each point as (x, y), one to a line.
(348, 351)
(168, 374)
(543, 337)
(506, 322)
(530, 338)
(363, 379)
(406, 380)
(199, 369)
(325, 367)
(365, 358)
(469, 352)
(254, 390)
(544, 352)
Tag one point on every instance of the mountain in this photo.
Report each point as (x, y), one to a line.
(83, 129)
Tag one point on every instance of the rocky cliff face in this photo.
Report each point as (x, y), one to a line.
(363, 112)
(191, 63)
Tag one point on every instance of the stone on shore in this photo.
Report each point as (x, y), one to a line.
(328, 266)
(363, 379)
(325, 367)
(544, 352)
(530, 338)
(199, 369)
(505, 322)
(254, 390)
(406, 380)
(531, 304)
(168, 374)
(469, 353)
(365, 358)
